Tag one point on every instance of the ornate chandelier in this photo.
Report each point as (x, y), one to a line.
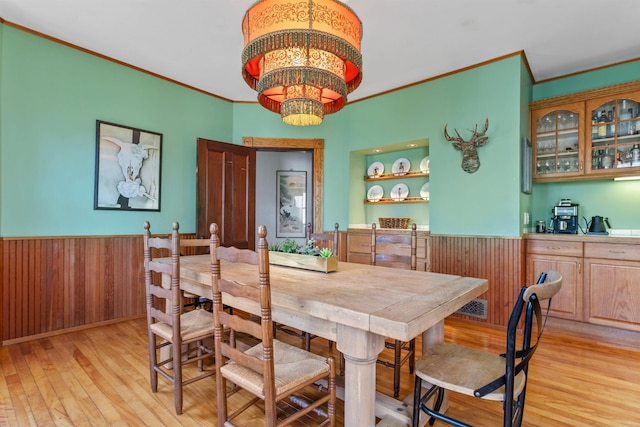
(302, 57)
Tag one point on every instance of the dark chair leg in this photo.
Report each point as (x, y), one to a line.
(307, 341)
(417, 388)
(517, 412)
(396, 367)
(412, 358)
(438, 404)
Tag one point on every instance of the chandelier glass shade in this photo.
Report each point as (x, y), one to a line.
(302, 57)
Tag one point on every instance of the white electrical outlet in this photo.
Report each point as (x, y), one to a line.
(526, 218)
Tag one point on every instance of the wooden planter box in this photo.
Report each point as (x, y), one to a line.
(306, 262)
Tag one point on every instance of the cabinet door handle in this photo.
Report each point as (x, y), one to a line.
(579, 268)
(611, 251)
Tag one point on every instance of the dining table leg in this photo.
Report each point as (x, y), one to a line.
(430, 338)
(360, 349)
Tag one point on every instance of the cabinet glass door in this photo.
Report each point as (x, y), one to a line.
(615, 134)
(557, 145)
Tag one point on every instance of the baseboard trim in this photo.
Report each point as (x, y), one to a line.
(67, 330)
(603, 334)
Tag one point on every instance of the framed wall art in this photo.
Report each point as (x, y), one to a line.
(128, 166)
(291, 193)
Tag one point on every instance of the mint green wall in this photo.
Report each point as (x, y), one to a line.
(620, 201)
(1, 85)
(51, 96)
(525, 98)
(599, 78)
(484, 203)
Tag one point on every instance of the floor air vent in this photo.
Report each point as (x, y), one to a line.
(476, 308)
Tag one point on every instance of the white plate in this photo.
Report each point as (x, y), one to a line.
(399, 192)
(401, 166)
(424, 165)
(376, 169)
(375, 193)
(424, 191)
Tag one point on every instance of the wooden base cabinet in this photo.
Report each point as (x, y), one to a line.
(612, 285)
(567, 304)
(565, 257)
(605, 292)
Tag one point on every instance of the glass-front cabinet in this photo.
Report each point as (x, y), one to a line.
(558, 141)
(613, 140)
(593, 134)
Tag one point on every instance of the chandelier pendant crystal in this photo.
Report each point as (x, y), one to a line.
(302, 57)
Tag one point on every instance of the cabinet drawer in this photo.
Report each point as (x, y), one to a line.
(612, 251)
(360, 243)
(548, 247)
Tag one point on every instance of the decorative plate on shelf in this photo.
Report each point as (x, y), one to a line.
(424, 191)
(424, 165)
(375, 169)
(399, 192)
(375, 193)
(401, 166)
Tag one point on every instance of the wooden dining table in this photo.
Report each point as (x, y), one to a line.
(356, 307)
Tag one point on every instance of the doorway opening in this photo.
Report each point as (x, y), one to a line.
(315, 146)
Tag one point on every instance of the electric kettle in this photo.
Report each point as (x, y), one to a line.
(597, 225)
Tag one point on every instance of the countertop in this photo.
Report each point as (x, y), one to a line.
(379, 230)
(624, 237)
(593, 238)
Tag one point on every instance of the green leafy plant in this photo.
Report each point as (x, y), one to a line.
(274, 247)
(310, 248)
(289, 246)
(325, 252)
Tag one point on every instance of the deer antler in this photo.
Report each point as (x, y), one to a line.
(450, 138)
(479, 139)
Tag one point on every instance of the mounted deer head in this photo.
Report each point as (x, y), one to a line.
(470, 160)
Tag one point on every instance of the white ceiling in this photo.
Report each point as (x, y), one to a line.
(198, 42)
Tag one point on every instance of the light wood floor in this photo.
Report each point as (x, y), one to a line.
(99, 377)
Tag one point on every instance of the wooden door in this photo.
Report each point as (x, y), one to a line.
(225, 192)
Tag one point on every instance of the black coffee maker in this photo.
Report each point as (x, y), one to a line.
(565, 217)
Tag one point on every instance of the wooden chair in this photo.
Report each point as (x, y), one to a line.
(167, 324)
(195, 246)
(485, 375)
(321, 240)
(325, 239)
(398, 251)
(272, 371)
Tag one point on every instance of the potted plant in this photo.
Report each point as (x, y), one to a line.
(288, 253)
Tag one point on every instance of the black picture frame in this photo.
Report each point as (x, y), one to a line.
(128, 168)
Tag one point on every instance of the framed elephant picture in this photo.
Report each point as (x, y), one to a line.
(128, 168)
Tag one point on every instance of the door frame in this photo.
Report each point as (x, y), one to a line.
(317, 145)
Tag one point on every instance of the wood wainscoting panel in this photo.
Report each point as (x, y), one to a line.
(498, 259)
(50, 284)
